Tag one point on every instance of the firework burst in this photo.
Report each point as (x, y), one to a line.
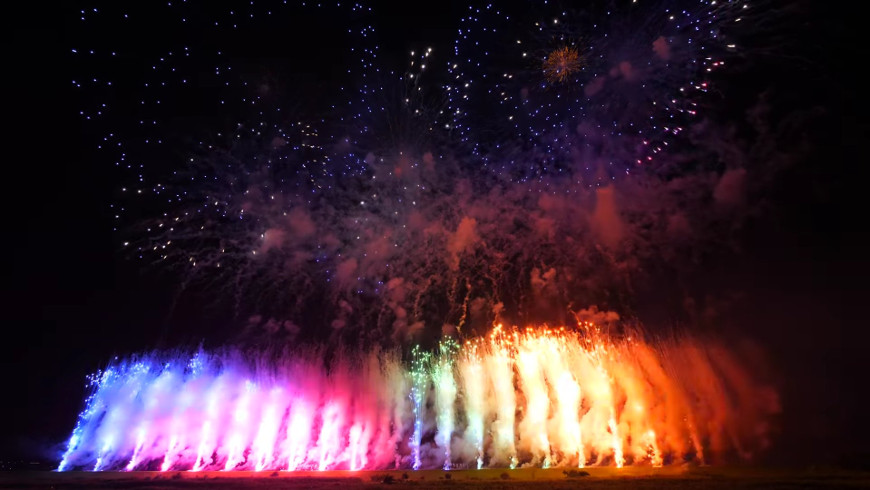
(561, 64)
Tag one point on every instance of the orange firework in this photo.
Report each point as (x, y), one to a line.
(578, 397)
(561, 63)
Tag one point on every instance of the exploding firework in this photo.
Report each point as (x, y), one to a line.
(561, 63)
(532, 397)
(620, 83)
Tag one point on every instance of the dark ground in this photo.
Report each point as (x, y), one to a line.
(554, 478)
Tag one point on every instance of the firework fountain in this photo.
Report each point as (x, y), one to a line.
(533, 397)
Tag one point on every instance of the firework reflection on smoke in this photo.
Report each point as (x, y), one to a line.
(532, 397)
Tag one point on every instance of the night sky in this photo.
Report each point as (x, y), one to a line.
(783, 267)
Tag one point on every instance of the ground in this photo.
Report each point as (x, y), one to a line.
(489, 479)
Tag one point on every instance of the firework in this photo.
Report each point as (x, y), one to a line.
(531, 397)
(587, 95)
(547, 171)
(444, 381)
(397, 201)
(561, 64)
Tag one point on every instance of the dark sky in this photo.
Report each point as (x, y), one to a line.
(800, 270)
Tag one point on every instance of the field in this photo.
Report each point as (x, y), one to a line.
(489, 479)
